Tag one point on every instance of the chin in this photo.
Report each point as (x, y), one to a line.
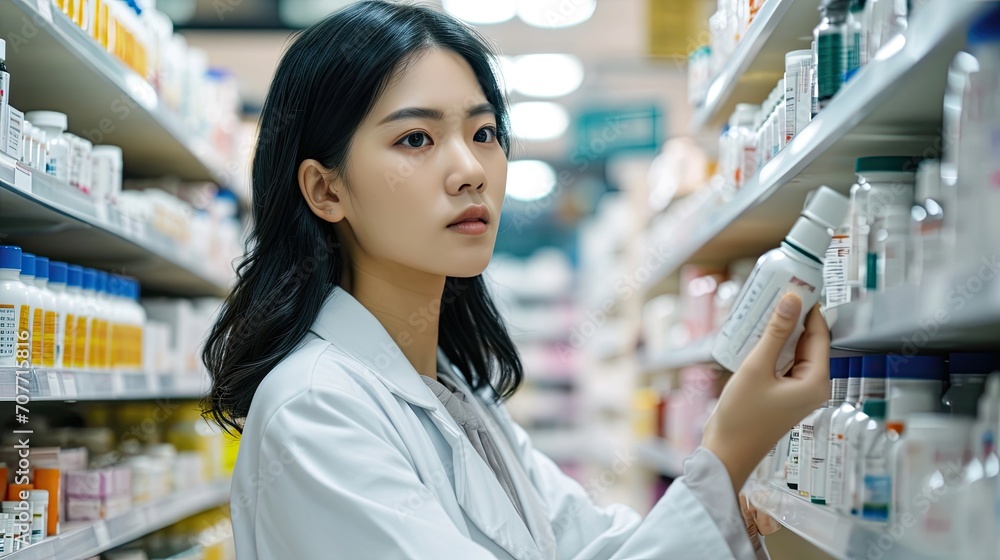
(471, 266)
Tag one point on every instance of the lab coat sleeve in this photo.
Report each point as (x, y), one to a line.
(679, 525)
(345, 488)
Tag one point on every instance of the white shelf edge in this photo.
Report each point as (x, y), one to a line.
(857, 100)
(109, 68)
(844, 538)
(911, 319)
(749, 46)
(698, 352)
(81, 215)
(660, 456)
(102, 535)
(65, 386)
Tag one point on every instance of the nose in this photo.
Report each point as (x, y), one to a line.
(464, 170)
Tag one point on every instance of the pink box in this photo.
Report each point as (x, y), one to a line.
(89, 484)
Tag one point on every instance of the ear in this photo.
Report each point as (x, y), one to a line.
(322, 191)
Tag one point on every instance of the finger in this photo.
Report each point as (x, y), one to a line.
(766, 524)
(765, 354)
(815, 335)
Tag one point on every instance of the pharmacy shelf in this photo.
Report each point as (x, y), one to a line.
(759, 61)
(661, 457)
(56, 385)
(698, 352)
(55, 65)
(892, 106)
(957, 308)
(86, 539)
(50, 218)
(842, 537)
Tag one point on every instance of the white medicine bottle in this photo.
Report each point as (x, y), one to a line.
(51, 315)
(36, 321)
(794, 267)
(60, 148)
(14, 305)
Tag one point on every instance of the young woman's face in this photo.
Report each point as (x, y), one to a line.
(425, 174)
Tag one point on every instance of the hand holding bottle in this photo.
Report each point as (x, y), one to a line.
(755, 408)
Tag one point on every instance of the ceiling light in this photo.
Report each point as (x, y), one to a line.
(481, 12)
(538, 120)
(552, 14)
(548, 75)
(530, 179)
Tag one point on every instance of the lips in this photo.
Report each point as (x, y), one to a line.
(472, 221)
(476, 213)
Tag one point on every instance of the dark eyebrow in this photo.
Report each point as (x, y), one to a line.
(434, 114)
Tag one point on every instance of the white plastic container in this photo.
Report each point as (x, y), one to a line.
(934, 449)
(39, 500)
(79, 176)
(106, 173)
(15, 306)
(51, 317)
(819, 465)
(873, 497)
(738, 151)
(927, 250)
(835, 467)
(798, 92)
(795, 267)
(75, 331)
(849, 436)
(889, 183)
(59, 141)
(979, 176)
(64, 310)
(36, 320)
(92, 318)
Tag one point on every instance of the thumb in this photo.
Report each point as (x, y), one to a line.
(779, 328)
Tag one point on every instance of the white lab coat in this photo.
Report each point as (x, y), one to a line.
(346, 453)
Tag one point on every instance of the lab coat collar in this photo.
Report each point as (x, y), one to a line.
(349, 326)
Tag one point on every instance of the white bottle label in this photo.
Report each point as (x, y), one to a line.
(8, 330)
(819, 462)
(807, 444)
(835, 271)
(793, 455)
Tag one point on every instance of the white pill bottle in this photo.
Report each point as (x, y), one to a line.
(794, 267)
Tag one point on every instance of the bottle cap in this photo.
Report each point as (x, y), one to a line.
(791, 57)
(88, 279)
(926, 368)
(744, 114)
(28, 265)
(939, 427)
(3, 49)
(42, 268)
(985, 28)
(854, 367)
(10, 257)
(989, 403)
(973, 362)
(826, 207)
(101, 283)
(38, 495)
(894, 164)
(50, 119)
(104, 150)
(873, 367)
(74, 276)
(840, 368)
(810, 237)
(114, 285)
(57, 272)
(874, 408)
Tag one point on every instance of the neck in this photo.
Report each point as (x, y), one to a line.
(408, 305)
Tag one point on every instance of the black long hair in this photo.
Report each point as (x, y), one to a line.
(325, 85)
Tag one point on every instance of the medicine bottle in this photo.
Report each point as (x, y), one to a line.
(15, 309)
(59, 142)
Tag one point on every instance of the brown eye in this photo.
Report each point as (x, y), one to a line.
(414, 140)
(486, 134)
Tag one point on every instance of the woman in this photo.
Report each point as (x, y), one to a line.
(361, 356)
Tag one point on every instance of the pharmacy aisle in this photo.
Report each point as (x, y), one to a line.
(119, 219)
(856, 169)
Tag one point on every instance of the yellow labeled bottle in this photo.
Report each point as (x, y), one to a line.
(75, 340)
(35, 301)
(51, 314)
(14, 308)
